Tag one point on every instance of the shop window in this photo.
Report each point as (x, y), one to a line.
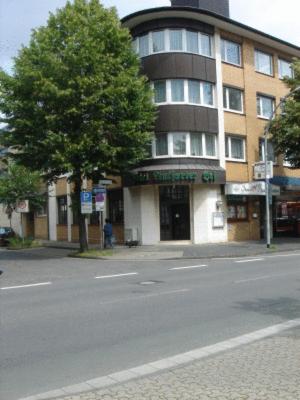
(235, 148)
(116, 206)
(232, 99)
(231, 52)
(263, 62)
(237, 208)
(62, 210)
(265, 106)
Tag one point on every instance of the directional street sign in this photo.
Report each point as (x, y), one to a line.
(86, 202)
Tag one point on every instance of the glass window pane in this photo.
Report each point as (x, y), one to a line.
(194, 92)
(192, 42)
(237, 149)
(231, 212)
(235, 99)
(158, 41)
(176, 42)
(205, 45)
(135, 45)
(223, 49)
(210, 145)
(179, 144)
(241, 212)
(196, 144)
(285, 69)
(144, 45)
(263, 63)
(225, 97)
(227, 147)
(177, 90)
(160, 92)
(266, 107)
(208, 96)
(161, 145)
(233, 53)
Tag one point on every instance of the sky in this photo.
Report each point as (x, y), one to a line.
(279, 18)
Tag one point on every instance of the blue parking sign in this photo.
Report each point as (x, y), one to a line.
(86, 202)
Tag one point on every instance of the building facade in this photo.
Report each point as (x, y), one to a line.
(215, 83)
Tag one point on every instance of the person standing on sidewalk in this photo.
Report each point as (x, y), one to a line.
(108, 233)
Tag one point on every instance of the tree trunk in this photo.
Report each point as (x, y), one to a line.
(81, 217)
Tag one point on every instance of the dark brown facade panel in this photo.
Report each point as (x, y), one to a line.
(217, 6)
(187, 118)
(179, 65)
(165, 23)
(180, 161)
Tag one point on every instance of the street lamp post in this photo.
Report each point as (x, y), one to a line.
(267, 178)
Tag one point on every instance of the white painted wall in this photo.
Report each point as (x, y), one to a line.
(150, 215)
(15, 221)
(204, 204)
(132, 209)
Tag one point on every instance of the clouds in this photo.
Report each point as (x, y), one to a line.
(17, 17)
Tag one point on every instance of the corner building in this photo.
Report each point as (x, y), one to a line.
(215, 83)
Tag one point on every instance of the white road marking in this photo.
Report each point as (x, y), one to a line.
(251, 260)
(167, 363)
(284, 255)
(190, 267)
(26, 286)
(115, 276)
(254, 279)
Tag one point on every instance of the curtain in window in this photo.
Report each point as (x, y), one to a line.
(194, 92)
(237, 149)
(192, 42)
(159, 92)
(196, 144)
(208, 97)
(176, 41)
(144, 46)
(205, 45)
(266, 107)
(210, 145)
(179, 144)
(158, 41)
(263, 63)
(233, 53)
(161, 145)
(177, 90)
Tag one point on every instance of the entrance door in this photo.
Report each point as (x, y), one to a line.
(174, 213)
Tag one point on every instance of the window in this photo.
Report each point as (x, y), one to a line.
(158, 41)
(161, 145)
(235, 148)
(169, 40)
(231, 52)
(265, 106)
(192, 42)
(116, 206)
(177, 90)
(160, 92)
(176, 39)
(233, 99)
(285, 69)
(185, 144)
(184, 91)
(42, 210)
(144, 45)
(237, 208)
(271, 151)
(62, 210)
(263, 62)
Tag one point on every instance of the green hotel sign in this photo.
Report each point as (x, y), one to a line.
(152, 177)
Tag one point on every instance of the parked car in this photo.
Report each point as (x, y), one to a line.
(5, 234)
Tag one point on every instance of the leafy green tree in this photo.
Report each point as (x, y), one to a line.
(76, 102)
(285, 128)
(18, 183)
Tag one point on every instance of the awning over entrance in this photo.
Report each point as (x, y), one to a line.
(176, 174)
(250, 189)
(289, 183)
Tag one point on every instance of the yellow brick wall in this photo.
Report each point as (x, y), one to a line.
(62, 233)
(41, 227)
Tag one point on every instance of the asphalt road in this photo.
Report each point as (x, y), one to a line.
(87, 318)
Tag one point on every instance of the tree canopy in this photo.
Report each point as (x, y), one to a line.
(76, 102)
(286, 127)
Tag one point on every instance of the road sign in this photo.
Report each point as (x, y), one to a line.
(22, 206)
(86, 202)
(100, 201)
(259, 170)
(105, 182)
(99, 190)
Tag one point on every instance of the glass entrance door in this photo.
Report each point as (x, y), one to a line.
(174, 213)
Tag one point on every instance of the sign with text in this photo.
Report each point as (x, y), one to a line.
(100, 201)
(22, 206)
(250, 189)
(86, 202)
(260, 168)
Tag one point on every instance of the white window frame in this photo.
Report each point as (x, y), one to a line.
(230, 158)
(227, 88)
(256, 51)
(186, 93)
(281, 76)
(225, 41)
(262, 145)
(167, 43)
(188, 146)
(260, 97)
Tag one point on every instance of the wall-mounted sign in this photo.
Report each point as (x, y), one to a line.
(260, 170)
(250, 189)
(218, 219)
(208, 177)
(161, 177)
(22, 206)
(86, 202)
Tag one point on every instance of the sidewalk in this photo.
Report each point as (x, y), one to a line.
(178, 251)
(267, 369)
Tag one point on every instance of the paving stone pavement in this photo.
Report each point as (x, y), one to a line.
(268, 369)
